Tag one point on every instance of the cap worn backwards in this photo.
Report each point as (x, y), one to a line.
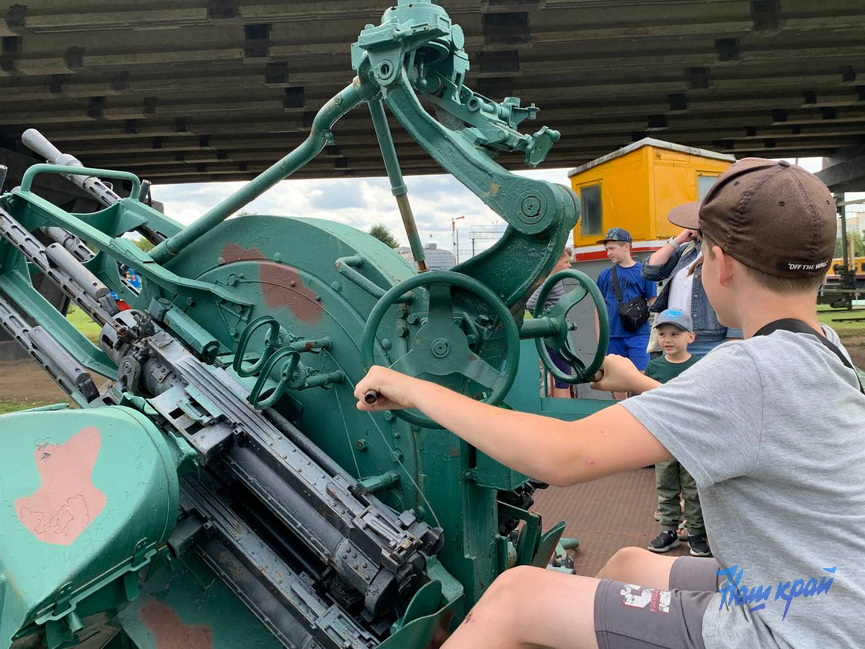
(772, 216)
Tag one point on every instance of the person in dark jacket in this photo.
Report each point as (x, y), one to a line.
(679, 260)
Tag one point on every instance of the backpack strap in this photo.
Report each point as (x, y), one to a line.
(616, 287)
(799, 327)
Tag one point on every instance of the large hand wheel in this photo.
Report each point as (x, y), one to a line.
(560, 340)
(440, 347)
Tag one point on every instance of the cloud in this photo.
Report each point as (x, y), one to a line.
(336, 195)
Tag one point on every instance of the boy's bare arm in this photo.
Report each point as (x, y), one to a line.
(558, 452)
(619, 374)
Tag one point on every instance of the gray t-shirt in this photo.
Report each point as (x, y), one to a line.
(552, 297)
(773, 431)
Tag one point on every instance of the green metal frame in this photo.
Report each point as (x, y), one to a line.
(299, 308)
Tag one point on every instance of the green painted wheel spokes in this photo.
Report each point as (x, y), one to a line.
(289, 360)
(560, 340)
(440, 347)
(271, 341)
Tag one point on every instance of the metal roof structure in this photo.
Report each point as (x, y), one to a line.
(195, 90)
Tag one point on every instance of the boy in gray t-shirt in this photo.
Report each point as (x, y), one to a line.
(769, 426)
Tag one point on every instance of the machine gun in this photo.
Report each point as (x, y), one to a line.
(219, 486)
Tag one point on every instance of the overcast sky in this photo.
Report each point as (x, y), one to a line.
(359, 202)
(364, 202)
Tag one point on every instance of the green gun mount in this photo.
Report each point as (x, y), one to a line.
(219, 485)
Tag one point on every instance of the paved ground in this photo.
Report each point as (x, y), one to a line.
(605, 515)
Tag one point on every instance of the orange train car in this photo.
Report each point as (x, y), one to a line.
(634, 188)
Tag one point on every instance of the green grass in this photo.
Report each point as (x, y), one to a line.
(83, 323)
(14, 406)
(829, 316)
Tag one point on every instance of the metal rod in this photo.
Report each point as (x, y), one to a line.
(839, 199)
(397, 186)
(319, 136)
(538, 328)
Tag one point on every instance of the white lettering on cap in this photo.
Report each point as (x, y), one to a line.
(792, 266)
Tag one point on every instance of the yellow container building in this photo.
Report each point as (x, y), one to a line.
(634, 188)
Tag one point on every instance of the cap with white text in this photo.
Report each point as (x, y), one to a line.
(772, 216)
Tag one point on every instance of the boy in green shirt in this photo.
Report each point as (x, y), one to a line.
(675, 333)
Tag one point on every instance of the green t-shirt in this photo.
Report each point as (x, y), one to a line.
(663, 370)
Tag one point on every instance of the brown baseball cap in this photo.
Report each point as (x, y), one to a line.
(772, 216)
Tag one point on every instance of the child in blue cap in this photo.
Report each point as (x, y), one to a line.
(672, 481)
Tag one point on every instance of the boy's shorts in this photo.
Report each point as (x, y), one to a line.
(633, 617)
(633, 347)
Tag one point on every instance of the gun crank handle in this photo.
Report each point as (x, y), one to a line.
(370, 397)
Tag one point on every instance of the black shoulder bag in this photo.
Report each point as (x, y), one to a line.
(799, 327)
(633, 313)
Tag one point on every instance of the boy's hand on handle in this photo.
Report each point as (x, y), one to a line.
(618, 374)
(384, 389)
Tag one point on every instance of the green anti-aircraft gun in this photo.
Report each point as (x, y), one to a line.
(219, 488)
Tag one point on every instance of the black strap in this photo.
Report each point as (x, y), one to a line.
(799, 327)
(616, 286)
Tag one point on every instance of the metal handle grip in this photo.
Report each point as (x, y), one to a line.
(31, 173)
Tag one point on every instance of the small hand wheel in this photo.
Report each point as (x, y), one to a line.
(440, 347)
(560, 340)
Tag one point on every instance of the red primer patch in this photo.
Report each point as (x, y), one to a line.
(233, 252)
(67, 501)
(170, 631)
(281, 285)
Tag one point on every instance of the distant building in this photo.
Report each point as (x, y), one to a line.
(436, 259)
(855, 219)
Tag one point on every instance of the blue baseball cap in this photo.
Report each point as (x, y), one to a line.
(616, 234)
(675, 317)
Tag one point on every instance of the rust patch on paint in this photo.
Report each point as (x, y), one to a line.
(67, 501)
(169, 630)
(281, 285)
(233, 252)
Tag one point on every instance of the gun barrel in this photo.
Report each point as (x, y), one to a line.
(61, 267)
(38, 143)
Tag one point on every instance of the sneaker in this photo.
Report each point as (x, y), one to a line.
(664, 542)
(699, 546)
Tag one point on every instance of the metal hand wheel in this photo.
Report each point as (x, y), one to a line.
(560, 339)
(440, 347)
